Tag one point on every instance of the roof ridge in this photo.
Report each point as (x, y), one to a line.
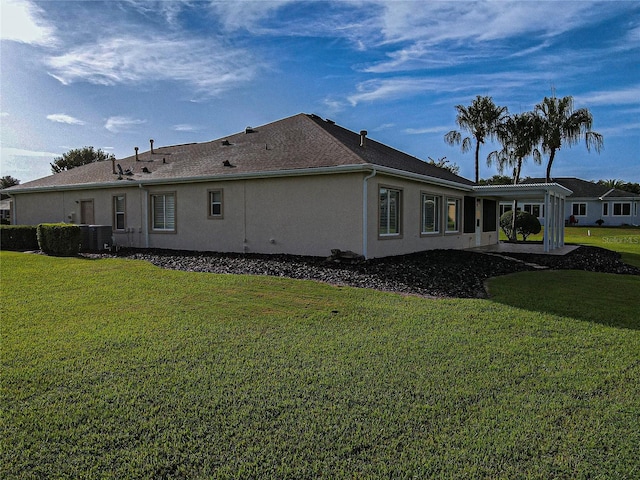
(325, 132)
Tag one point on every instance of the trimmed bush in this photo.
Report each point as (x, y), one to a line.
(526, 224)
(18, 237)
(60, 239)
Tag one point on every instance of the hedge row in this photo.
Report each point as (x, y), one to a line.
(60, 239)
(18, 237)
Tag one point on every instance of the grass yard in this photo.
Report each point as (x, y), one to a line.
(118, 369)
(625, 240)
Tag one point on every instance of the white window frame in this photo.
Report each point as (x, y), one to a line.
(212, 203)
(427, 197)
(384, 231)
(504, 208)
(119, 213)
(621, 214)
(169, 226)
(532, 207)
(578, 204)
(456, 202)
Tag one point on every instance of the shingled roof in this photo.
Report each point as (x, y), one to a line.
(298, 143)
(585, 189)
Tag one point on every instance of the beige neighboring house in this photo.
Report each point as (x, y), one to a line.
(301, 185)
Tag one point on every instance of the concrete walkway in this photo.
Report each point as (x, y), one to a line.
(506, 248)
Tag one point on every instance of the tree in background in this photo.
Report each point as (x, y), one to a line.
(496, 180)
(621, 185)
(561, 124)
(446, 164)
(8, 181)
(481, 120)
(77, 157)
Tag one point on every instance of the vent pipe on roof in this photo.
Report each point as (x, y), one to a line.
(136, 149)
(363, 138)
(151, 142)
(113, 165)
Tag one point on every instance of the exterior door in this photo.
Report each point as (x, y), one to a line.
(86, 212)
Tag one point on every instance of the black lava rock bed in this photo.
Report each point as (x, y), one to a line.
(433, 273)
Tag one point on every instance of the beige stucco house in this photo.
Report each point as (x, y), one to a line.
(301, 185)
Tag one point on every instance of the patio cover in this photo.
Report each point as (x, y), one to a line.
(551, 194)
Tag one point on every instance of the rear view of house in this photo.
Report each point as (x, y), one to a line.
(301, 185)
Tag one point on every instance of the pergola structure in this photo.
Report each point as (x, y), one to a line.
(552, 196)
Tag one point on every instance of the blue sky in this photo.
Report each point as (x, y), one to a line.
(115, 74)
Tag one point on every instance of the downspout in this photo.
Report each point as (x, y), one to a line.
(365, 216)
(144, 221)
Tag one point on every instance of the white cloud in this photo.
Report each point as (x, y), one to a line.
(441, 34)
(245, 15)
(117, 124)
(63, 118)
(21, 152)
(208, 65)
(625, 96)
(19, 22)
(25, 165)
(185, 127)
(422, 131)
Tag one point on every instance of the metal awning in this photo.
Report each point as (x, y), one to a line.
(553, 196)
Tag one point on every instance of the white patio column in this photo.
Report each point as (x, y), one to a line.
(547, 221)
(562, 208)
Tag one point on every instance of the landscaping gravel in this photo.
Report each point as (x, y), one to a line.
(433, 273)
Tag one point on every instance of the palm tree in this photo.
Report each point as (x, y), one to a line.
(560, 123)
(519, 135)
(612, 183)
(480, 119)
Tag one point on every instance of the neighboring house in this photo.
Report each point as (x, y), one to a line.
(5, 210)
(588, 203)
(301, 185)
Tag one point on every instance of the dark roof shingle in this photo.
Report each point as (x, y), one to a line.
(298, 142)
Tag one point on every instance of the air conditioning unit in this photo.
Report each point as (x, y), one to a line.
(96, 238)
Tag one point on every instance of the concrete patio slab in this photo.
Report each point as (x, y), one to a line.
(535, 248)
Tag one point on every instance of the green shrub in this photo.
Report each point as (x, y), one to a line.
(60, 239)
(18, 237)
(526, 224)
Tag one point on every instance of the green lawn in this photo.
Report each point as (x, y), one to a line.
(118, 369)
(625, 240)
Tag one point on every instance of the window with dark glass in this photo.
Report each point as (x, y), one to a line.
(430, 213)
(389, 211)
